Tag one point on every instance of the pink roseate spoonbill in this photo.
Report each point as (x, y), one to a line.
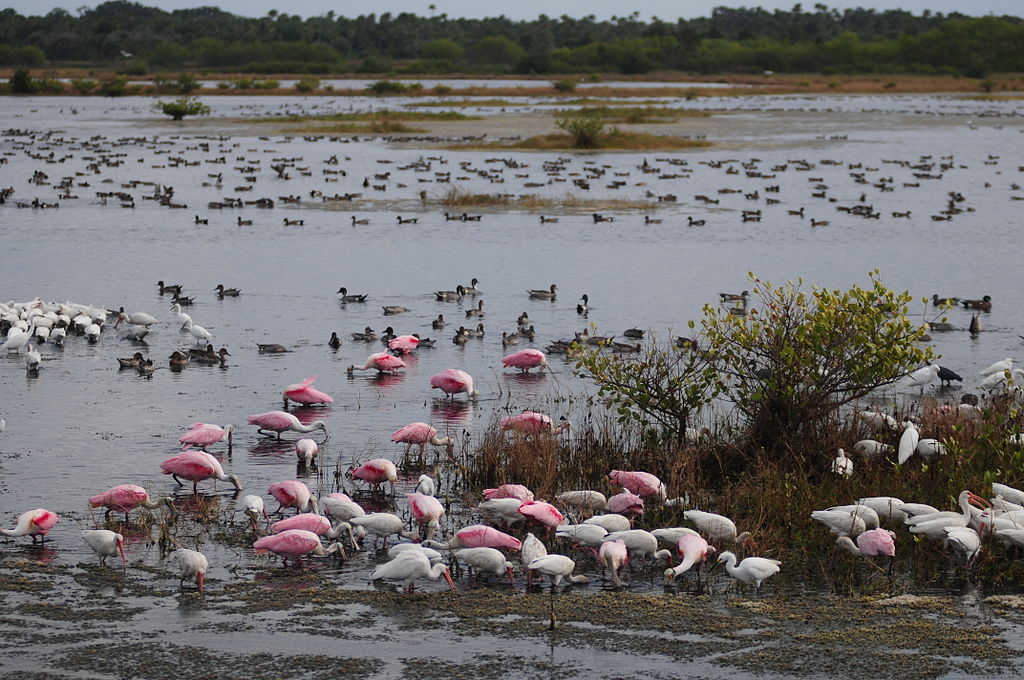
(754, 570)
(292, 494)
(426, 510)
(421, 434)
(558, 567)
(487, 560)
(871, 543)
(382, 362)
(33, 523)
(105, 543)
(253, 508)
(306, 450)
(531, 423)
(304, 393)
(340, 508)
(542, 513)
(404, 344)
(195, 466)
(643, 484)
(525, 359)
(610, 522)
(276, 422)
(409, 566)
(503, 510)
(383, 525)
(694, 550)
(452, 381)
(478, 536)
(718, 528)
(204, 435)
(295, 544)
(510, 491)
(584, 499)
(626, 503)
(614, 556)
(192, 566)
(376, 472)
(125, 498)
(531, 550)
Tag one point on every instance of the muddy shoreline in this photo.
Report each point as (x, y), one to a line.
(75, 621)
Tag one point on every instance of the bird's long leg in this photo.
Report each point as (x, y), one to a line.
(175, 478)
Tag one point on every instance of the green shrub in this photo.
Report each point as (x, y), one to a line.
(134, 68)
(565, 85)
(385, 87)
(186, 83)
(586, 132)
(21, 82)
(307, 84)
(83, 86)
(115, 87)
(178, 108)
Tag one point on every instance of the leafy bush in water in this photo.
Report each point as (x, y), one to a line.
(178, 108)
(387, 87)
(307, 84)
(586, 132)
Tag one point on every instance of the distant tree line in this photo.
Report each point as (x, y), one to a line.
(730, 40)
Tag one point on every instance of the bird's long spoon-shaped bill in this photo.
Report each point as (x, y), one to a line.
(448, 577)
(124, 560)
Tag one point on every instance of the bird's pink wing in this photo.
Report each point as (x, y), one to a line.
(415, 433)
(306, 521)
(44, 520)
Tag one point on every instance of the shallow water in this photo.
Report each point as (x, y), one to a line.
(82, 425)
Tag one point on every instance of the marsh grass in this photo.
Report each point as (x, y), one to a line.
(375, 127)
(773, 497)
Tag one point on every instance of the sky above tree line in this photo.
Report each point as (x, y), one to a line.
(666, 10)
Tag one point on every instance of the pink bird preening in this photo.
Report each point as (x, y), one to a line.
(204, 435)
(643, 484)
(421, 434)
(125, 498)
(294, 544)
(382, 362)
(525, 359)
(531, 423)
(871, 543)
(292, 494)
(33, 523)
(693, 549)
(275, 422)
(376, 472)
(478, 536)
(404, 344)
(614, 556)
(452, 381)
(510, 491)
(626, 504)
(195, 466)
(426, 510)
(542, 513)
(304, 393)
